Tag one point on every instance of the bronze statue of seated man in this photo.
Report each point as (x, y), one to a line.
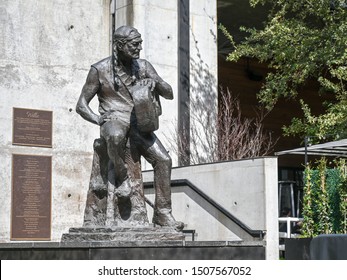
(128, 90)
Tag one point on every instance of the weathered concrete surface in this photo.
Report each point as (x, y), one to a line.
(46, 49)
(245, 188)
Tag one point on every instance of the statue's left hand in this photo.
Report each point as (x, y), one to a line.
(151, 83)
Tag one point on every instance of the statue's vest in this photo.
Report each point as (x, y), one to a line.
(119, 97)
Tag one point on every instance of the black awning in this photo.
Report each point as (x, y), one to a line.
(331, 149)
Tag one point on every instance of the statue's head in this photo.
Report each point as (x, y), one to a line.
(127, 42)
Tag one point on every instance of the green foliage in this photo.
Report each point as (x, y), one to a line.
(333, 122)
(325, 191)
(302, 40)
(322, 201)
(308, 229)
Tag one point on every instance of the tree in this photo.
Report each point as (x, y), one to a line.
(302, 40)
(229, 137)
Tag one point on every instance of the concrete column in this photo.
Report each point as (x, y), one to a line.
(271, 209)
(158, 22)
(203, 77)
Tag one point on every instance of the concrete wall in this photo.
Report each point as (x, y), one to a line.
(203, 79)
(246, 188)
(46, 50)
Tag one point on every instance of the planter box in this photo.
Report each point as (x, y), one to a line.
(329, 247)
(297, 248)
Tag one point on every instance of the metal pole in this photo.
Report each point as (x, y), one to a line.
(184, 82)
(306, 144)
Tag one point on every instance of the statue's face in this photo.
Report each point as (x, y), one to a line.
(132, 48)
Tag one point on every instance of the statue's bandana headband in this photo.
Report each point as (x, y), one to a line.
(132, 35)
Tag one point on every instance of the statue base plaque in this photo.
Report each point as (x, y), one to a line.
(106, 234)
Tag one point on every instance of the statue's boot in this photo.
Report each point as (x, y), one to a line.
(165, 219)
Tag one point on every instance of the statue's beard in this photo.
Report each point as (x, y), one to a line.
(120, 75)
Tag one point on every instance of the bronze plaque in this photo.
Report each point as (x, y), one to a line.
(31, 197)
(32, 127)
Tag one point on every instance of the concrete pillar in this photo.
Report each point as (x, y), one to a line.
(159, 23)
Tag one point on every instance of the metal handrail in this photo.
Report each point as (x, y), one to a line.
(289, 220)
(183, 182)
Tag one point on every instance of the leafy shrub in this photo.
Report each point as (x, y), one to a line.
(325, 199)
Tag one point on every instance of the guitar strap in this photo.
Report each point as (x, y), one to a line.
(121, 77)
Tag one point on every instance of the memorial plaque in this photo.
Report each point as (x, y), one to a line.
(32, 127)
(31, 197)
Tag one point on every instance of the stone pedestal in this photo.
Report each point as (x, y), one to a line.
(103, 234)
